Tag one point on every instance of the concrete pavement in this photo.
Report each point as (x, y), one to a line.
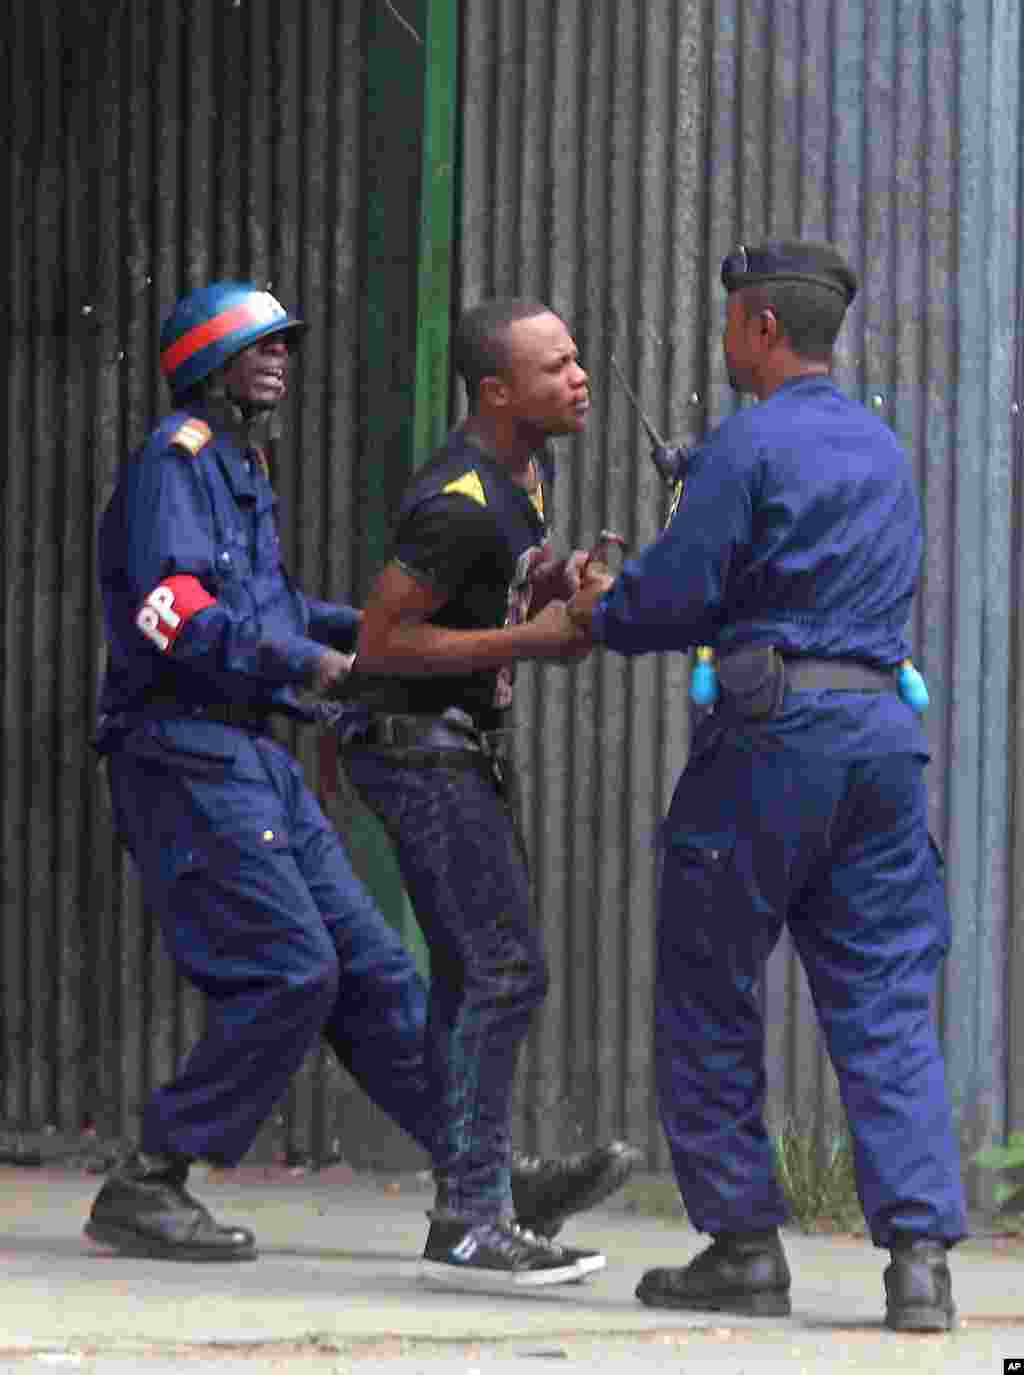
(336, 1289)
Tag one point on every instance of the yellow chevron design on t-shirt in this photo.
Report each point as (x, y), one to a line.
(535, 489)
(468, 485)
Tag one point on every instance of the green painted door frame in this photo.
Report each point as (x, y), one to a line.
(412, 77)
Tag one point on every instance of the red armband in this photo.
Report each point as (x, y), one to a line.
(169, 607)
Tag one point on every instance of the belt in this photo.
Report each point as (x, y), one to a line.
(756, 678)
(425, 733)
(836, 675)
(241, 715)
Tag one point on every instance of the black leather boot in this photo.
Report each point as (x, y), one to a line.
(740, 1272)
(144, 1209)
(918, 1287)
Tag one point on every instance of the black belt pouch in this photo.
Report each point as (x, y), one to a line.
(753, 681)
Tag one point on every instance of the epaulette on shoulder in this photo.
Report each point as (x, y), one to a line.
(192, 435)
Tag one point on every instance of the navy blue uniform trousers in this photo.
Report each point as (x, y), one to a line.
(459, 852)
(759, 835)
(261, 910)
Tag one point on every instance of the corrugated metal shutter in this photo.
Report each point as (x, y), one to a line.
(611, 154)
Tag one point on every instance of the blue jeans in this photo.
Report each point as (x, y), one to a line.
(464, 869)
(261, 910)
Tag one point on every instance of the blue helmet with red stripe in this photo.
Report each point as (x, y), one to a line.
(209, 326)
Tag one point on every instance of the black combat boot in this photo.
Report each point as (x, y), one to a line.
(918, 1288)
(740, 1272)
(547, 1190)
(144, 1209)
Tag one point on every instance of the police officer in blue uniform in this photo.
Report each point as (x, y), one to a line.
(209, 641)
(793, 554)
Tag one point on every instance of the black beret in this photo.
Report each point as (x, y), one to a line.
(791, 261)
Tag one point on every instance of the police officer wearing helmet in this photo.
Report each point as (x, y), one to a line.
(794, 554)
(208, 641)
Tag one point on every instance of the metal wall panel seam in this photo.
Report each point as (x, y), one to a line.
(1001, 268)
(119, 201)
(478, 154)
(504, 204)
(260, 122)
(437, 185)
(551, 1072)
(563, 719)
(583, 500)
(341, 305)
(229, 140)
(1015, 962)
(97, 352)
(617, 85)
(653, 322)
(968, 480)
(299, 467)
(976, 702)
(724, 216)
(817, 115)
(637, 492)
(682, 379)
(848, 140)
(22, 147)
(786, 136)
(53, 326)
(754, 117)
(939, 310)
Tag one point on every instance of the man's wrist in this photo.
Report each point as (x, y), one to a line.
(581, 616)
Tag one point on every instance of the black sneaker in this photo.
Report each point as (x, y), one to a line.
(738, 1273)
(547, 1191)
(497, 1257)
(144, 1209)
(587, 1262)
(918, 1288)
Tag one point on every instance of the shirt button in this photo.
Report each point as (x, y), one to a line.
(268, 835)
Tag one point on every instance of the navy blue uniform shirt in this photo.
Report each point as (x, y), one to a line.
(799, 525)
(197, 605)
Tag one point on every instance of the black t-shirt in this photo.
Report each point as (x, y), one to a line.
(466, 530)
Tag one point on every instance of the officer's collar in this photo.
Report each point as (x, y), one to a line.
(247, 432)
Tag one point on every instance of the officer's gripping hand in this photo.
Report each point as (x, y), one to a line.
(596, 582)
(331, 672)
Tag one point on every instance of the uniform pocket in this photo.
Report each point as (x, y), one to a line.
(188, 745)
(696, 893)
(711, 851)
(228, 851)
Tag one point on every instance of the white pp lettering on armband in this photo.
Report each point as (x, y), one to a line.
(157, 618)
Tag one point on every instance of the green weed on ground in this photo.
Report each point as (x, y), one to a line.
(1008, 1161)
(818, 1182)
